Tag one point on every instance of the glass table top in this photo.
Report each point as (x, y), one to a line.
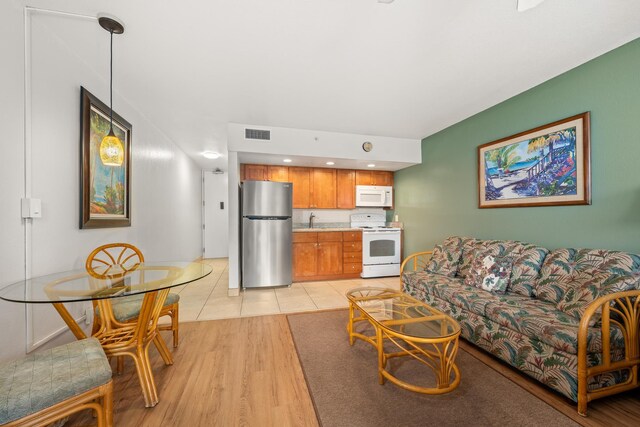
(78, 285)
(403, 314)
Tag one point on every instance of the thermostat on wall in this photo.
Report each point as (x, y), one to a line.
(31, 208)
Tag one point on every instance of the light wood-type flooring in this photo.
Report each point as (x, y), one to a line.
(235, 372)
(245, 372)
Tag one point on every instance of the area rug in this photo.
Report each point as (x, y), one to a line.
(343, 383)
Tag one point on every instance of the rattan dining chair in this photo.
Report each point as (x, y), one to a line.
(116, 259)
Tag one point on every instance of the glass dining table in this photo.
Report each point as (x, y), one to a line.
(149, 283)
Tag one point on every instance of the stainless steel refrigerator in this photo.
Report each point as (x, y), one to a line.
(266, 233)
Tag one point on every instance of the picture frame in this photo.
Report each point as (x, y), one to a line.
(546, 166)
(105, 191)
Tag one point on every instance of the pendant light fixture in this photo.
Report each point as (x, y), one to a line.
(111, 148)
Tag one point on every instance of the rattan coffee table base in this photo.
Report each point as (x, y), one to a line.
(437, 353)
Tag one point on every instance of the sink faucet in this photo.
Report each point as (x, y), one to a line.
(311, 220)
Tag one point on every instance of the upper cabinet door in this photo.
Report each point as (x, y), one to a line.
(278, 173)
(382, 178)
(301, 179)
(323, 188)
(363, 178)
(345, 189)
(255, 173)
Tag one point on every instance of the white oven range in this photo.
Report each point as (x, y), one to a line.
(380, 245)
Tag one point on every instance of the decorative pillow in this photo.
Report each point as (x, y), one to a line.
(527, 260)
(446, 257)
(489, 272)
(587, 285)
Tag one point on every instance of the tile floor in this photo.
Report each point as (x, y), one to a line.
(208, 299)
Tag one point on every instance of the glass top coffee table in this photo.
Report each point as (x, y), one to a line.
(411, 328)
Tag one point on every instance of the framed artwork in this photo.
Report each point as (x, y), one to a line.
(105, 191)
(545, 166)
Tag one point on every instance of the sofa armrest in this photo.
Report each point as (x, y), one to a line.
(419, 259)
(626, 308)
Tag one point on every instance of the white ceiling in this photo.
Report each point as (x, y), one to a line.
(406, 69)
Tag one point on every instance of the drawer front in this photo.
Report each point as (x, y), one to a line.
(305, 237)
(330, 236)
(352, 236)
(352, 246)
(352, 257)
(352, 267)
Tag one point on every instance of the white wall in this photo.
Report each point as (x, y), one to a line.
(398, 152)
(313, 143)
(234, 224)
(166, 184)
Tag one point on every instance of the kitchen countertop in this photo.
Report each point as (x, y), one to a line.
(324, 226)
(333, 226)
(321, 229)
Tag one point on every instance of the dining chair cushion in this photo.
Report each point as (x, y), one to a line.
(127, 308)
(46, 378)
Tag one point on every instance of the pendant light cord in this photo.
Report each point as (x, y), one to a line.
(111, 85)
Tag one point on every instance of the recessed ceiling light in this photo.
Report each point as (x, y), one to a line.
(524, 5)
(331, 163)
(287, 160)
(371, 165)
(211, 155)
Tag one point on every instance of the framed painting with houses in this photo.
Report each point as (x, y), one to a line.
(105, 190)
(545, 166)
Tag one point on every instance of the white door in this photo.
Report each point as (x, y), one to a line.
(216, 215)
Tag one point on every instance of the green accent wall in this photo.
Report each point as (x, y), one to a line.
(439, 197)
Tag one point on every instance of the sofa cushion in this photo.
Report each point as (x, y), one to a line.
(490, 273)
(561, 269)
(544, 322)
(421, 284)
(589, 284)
(527, 261)
(446, 257)
(45, 378)
(128, 307)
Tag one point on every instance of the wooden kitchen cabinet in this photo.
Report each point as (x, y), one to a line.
(278, 173)
(305, 255)
(301, 179)
(381, 178)
(327, 255)
(363, 178)
(329, 258)
(305, 260)
(345, 189)
(323, 189)
(318, 188)
(352, 253)
(254, 173)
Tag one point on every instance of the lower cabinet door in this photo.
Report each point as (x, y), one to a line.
(352, 267)
(329, 258)
(305, 259)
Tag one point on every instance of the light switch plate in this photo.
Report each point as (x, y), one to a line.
(31, 208)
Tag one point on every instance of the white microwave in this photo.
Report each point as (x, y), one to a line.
(374, 196)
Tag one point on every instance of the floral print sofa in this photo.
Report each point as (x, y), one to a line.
(535, 325)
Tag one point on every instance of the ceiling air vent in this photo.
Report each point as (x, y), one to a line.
(262, 135)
